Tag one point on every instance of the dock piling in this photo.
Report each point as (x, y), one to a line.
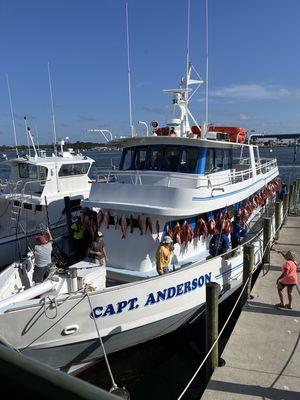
(248, 261)
(277, 218)
(266, 240)
(212, 318)
(285, 207)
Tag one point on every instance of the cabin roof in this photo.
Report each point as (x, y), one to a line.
(43, 161)
(172, 140)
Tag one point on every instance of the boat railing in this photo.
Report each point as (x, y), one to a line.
(20, 188)
(175, 179)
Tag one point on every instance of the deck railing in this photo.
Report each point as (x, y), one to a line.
(20, 188)
(214, 180)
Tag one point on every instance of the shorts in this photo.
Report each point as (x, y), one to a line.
(40, 273)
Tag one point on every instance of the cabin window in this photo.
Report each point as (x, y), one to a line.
(189, 160)
(139, 161)
(73, 169)
(28, 171)
(218, 159)
(154, 158)
(227, 161)
(43, 172)
(171, 158)
(210, 161)
(127, 158)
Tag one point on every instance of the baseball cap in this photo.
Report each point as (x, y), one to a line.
(168, 240)
(41, 240)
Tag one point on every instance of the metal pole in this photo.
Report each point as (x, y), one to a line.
(291, 194)
(266, 240)
(248, 261)
(277, 218)
(212, 317)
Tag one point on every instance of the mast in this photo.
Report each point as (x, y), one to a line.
(188, 70)
(129, 77)
(27, 135)
(12, 116)
(205, 125)
(52, 110)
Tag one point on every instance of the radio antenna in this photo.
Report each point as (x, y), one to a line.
(12, 116)
(52, 109)
(129, 77)
(206, 78)
(27, 135)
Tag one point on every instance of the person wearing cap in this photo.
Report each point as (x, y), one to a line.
(42, 256)
(97, 250)
(288, 278)
(163, 255)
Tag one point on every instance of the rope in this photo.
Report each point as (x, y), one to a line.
(100, 340)
(237, 301)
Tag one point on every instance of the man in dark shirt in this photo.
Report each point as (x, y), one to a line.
(238, 231)
(97, 250)
(219, 243)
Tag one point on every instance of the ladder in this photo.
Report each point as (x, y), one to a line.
(17, 199)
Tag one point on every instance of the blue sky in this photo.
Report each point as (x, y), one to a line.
(254, 60)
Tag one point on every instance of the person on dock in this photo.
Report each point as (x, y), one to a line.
(97, 250)
(288, 278)
(43, 256)
(163, 255)
(219, 243)
(238, 231)
(283, 191)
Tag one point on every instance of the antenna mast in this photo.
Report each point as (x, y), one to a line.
(188, 67)
(12, 116)
(128, 66)
(52, 109)
(27, 135)
(206, 78)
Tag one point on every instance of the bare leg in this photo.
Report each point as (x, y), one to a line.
(290, 295)
(279, 289)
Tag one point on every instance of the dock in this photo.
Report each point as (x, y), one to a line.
(262, 355)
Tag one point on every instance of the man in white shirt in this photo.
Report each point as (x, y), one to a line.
(42, 254)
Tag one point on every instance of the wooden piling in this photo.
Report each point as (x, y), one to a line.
(277, 219)
(212, 317)
(266, 240)
(291, 195)
(285, 207)
(248, 262)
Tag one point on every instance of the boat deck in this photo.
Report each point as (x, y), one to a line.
(263, 353)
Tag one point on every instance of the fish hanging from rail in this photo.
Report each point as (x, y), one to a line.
(107, 219)
(148, 225)
(123, 226)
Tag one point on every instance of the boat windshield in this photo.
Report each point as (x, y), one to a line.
(30, 171)
(185, 159)
(74, 169)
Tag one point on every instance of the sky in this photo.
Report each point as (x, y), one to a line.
(254, 59)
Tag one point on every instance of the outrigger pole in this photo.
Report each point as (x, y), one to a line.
(12, 116)
(129, 77)
(52, 109)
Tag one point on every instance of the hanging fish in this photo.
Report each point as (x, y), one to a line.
(131, 224)
(107, 219)
(184, 233)
(116, 221)
(140, 224)
(148, 225)
(169, 231)
(100, 217)
(123, 226)
(177, 233)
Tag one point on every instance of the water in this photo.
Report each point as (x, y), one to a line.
(162, 367)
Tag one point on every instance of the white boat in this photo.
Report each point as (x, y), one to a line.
(33, 196)
(137, 205)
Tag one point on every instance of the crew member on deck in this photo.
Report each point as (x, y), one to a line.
(238, 231)
(163, 255)
(42, 257)
(219, 243)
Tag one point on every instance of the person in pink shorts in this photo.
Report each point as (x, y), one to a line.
(288, 278)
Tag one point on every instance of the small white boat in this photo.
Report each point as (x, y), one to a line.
(33, 196)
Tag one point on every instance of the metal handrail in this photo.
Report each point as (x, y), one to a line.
(209, 180)
(22, 191)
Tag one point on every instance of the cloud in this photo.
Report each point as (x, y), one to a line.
(253, 91)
